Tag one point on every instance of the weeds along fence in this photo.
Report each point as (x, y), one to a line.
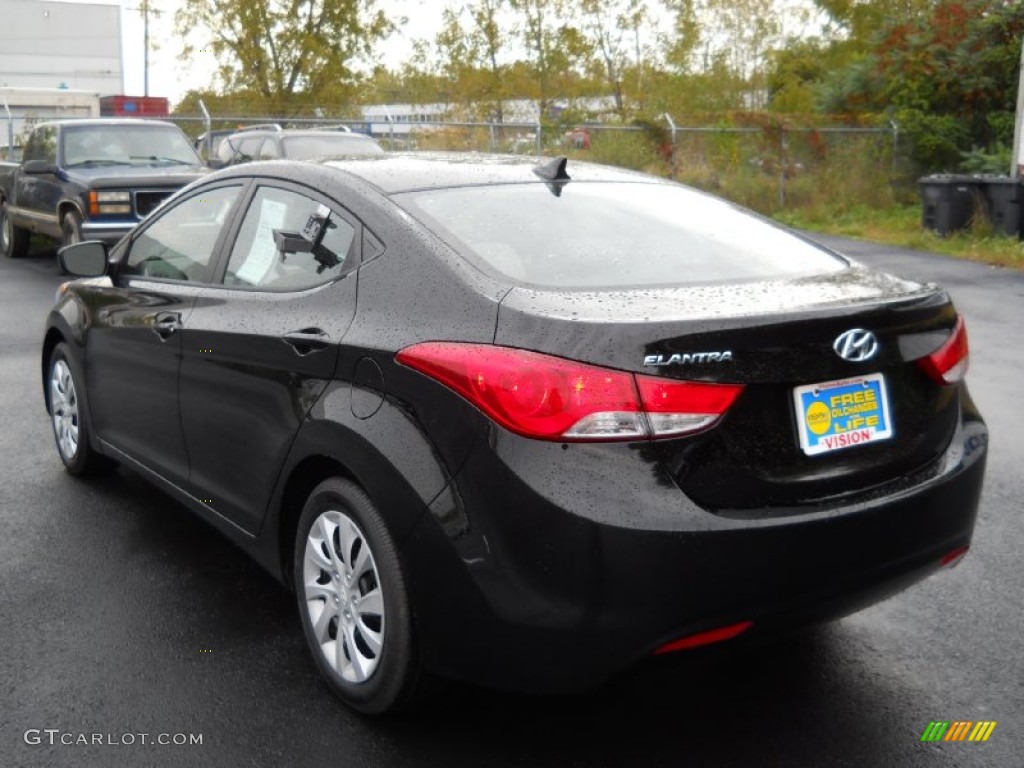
(771, 169)
(764, 164)
(768, 166)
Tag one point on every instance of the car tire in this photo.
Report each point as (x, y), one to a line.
(353, 602)
(66, 403)
(13, 239)
(71, 228)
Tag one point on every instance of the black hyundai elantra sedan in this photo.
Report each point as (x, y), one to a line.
(520, 424)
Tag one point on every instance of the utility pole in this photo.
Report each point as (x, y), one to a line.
(1018, 125)
(145, 47)
(145, 9)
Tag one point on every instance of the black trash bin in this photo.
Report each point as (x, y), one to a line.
(947, 202)
(1003, 199)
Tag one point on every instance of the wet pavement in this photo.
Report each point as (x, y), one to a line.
(121, 614)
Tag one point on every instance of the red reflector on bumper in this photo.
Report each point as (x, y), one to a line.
(950, 559)
(706, 638)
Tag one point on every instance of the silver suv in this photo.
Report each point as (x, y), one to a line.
(273, 143)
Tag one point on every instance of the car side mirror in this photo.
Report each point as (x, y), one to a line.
(215, 163)
(38, 167)
(88, 259)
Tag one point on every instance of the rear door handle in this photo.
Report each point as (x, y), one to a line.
(307, 340)
(166, 323)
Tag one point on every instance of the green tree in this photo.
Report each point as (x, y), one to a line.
(486, 47)
(613, 29)
(681, 44)
(554, 45)
(806, 71)
(225, 105)
(412, 83)
(729, 41)
(795, 73)
(948, 77)
(853, 24)
(751, 29)
(470, 48)
(294, 54)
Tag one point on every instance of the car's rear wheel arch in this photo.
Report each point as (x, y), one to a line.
(302, 480)
(50, 342)
(338, 453)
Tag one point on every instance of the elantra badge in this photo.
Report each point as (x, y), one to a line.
(856, 345)
(685, 358)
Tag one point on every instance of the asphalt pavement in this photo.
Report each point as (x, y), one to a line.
(121, 615)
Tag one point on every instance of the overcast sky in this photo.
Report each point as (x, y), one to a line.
(171, 75)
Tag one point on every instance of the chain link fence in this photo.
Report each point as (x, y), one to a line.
(768, 166)
(759, 161)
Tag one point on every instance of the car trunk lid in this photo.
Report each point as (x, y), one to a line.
(777, 338)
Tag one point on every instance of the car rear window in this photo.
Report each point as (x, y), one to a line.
(613, 234)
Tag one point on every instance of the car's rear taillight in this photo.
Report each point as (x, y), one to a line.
(550, 398)
(948, 364)
(678, 407)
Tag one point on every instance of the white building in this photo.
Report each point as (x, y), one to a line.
(402, 119)
(46, 44)
(21, 108)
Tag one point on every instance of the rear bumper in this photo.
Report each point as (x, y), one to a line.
(556, 588)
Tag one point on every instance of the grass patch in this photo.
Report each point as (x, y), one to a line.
(900, 225)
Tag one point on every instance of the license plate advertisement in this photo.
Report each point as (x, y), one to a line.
(841, 414)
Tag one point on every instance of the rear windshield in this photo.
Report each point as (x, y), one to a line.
(613, 234)
(307, 147)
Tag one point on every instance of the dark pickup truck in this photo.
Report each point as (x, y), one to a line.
(91, 180)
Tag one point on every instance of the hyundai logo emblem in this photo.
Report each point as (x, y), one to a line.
(856, 345)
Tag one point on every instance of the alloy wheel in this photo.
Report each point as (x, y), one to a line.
(64, 409)
(343, 596)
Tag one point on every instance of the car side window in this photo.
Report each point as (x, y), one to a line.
(289, 242)
(269, 150)
(226, 149)
(239, 149)
(42, 145)
(179, 244)
(250, 149)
